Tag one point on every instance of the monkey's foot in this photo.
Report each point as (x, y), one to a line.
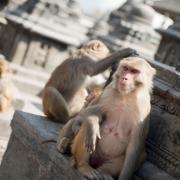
(62, 144)
(89, 172)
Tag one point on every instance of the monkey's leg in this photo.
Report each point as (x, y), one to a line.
(111, 168)
(66, 136)
(141, 158)
(56, 104)
(81, 156)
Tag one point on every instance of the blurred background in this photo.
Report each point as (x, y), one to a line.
(37, 35)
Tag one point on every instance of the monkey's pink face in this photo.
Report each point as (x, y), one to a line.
(126, 78)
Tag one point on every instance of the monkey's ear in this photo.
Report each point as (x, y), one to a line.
(97, 45)
(153, 71)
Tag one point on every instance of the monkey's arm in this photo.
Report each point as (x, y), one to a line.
(72, 127)
(68, 132)
(133, 152)
(100, 66)
(93, 121)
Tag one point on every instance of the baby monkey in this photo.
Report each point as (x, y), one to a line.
(65, 92)
(111, 140)
(6, 94)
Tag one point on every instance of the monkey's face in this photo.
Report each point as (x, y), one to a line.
(125, 79)
(133, 73)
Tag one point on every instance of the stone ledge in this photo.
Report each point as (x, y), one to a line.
(27, 158)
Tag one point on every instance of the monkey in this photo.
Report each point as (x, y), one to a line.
(6, 94)
(111, 139)
(69, 130)
(65, 92)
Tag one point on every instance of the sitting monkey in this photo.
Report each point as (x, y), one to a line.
(111, 140)
(65, 92)
(6, 94)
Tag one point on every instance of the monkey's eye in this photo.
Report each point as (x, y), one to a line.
(125, 68)
(117, 76)
(134, 71)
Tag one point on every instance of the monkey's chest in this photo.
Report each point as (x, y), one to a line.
(115, 133)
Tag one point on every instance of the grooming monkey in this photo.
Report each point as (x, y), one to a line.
(111, 140)
(65, 92)
(6, 94)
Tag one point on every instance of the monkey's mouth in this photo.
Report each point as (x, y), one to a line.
(123, 84)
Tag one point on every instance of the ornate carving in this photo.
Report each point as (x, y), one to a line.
(168, 51)
(168, 104)
(163, 145)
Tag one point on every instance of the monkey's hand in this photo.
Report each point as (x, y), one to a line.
(92, 133)
(129, 52)
(62, 144)
(76, 124)
(89, 98)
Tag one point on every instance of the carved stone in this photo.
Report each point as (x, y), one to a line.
(168, 51)
(38, 31)
(163, 143)
(130, 26)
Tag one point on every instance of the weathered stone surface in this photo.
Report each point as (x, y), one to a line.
(28, 158)
(167, 7)
(168, 51)
(130, 26)
(151, 172)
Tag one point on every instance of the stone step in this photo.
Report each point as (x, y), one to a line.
(28, 80)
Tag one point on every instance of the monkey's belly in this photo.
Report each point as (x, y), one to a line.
(113, 142)
(111, 146)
